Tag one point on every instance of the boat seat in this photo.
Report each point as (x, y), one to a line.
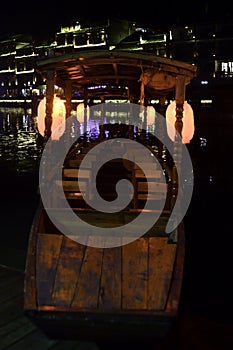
(75, 163)
(71, 186)
(71, 190)
(154, 178)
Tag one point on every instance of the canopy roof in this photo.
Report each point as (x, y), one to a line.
(116, 71)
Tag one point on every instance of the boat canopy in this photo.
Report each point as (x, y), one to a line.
(114, 71)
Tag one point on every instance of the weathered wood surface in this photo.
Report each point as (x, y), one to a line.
(83, 292)
(97, 290)
(17, 331)
(74, 276)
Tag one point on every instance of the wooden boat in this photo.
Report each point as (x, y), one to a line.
(80, 285)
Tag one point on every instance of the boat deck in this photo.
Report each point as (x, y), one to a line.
(118, 289)
(77, 277)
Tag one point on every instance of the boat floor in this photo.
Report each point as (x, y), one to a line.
(18, 332)
(93, 285)
(118, 288)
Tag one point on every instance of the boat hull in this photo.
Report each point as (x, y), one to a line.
(74, 291)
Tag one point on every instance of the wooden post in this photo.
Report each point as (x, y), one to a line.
(160, 133)
(142, 95)
(131, 119)
(50, 82)
(177, 156)
(68, 95)
(85, 113)
(179, 97)
(102, 135)
(142, 110)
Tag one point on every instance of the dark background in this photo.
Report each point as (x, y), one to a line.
(45, 18)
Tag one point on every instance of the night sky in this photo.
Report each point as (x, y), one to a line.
(37, 19)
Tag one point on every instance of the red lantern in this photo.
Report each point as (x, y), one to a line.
(80, 112)
(150, 115)
(58, 117)
(188, 122)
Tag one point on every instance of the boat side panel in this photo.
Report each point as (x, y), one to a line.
(177, 278)
(161, 262)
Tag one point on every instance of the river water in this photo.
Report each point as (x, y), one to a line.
(208, 273)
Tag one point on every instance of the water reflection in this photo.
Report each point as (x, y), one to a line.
(20, 147)
(18, 139)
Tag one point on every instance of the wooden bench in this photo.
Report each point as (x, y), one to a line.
(71, 190)
(75, 163)
(153, 178)
(71, 186)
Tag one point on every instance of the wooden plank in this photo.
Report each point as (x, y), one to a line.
(94, 218)
(156, 230)
(9, 276)
(147, 164)
(72, 185)
(175, 291)
(158, 192)
(15, 331)
(6, 274)
(87, 291)
(75, 345)
(3, 270)
(48, 250)
(161, 263)
(110, 285)
(73, 173)
(35, 340)
(151, 197)
(75, 163)
(20, 321)
(11, 309)
(151, 174)
(155, 187)
(68, 270)
(30, 269)
(85, 179)
(101, 219)
(134, 274)
(71, 189)
(12, 288)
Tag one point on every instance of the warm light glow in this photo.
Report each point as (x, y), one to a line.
(58, 117)
(150, 115)
(80, 112)
(188, 122)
